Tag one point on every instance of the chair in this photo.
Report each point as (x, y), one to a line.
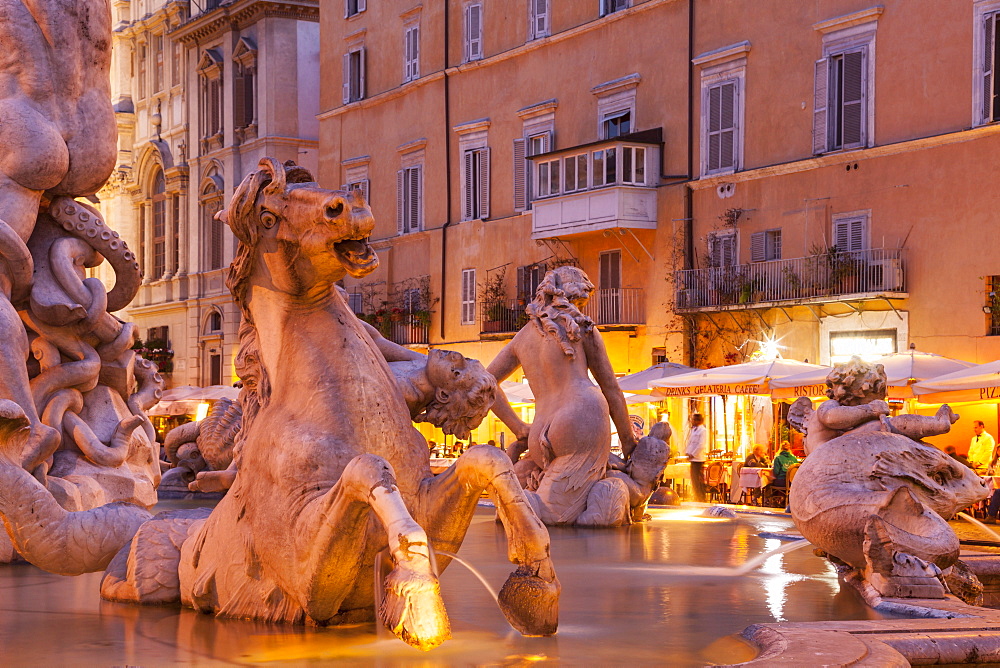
(715, 485)
(776, 496)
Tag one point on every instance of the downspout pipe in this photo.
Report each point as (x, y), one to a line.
(447, 171)
(688, 192)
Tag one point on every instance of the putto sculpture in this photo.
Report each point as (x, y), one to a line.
(330, 471)
(872, 495)
(565, 468)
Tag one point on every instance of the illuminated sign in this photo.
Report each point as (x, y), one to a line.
(869, 345)
(749, 388)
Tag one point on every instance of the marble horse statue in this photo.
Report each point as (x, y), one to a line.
(331, 471)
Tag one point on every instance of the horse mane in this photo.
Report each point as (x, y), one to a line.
(246, 223)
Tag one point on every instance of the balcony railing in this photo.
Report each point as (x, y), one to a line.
(408, 328)
(812, 278)
(501, 317)
(617, 306)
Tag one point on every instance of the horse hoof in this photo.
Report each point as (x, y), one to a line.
(530, 603)
(413, 610)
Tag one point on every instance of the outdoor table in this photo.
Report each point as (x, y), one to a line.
(441, 464)
(680, 472)
(752, 478)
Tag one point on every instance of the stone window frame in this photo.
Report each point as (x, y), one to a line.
(718, 68)
(615, 97)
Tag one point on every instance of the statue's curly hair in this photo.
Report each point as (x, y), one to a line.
(458, 413)
(854, 379)
(554, 314)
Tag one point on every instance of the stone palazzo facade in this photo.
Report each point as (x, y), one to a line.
(202, 91)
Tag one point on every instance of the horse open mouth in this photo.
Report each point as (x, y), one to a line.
(357, 256)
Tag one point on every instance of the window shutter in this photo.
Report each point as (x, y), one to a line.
(729, 250)
(363, 185)
(347, 8)
(989, 47)
(239, 101)
(727, 136)
(758, 242)
(531, 19)
(475, 32)
(820, 101)
(857, 239)
(415, 60)
(249, 100)
(714, 125)
(715, 250)
(484, 183)
(854, 98)
(466, 43)
(361, 76)
(407, 38)
(400, 201)
(520, 176)
(522, 283)
(467, 158)
(362, 5)
(413, 185)
(541, 18)
(842, 235)
(347, 77)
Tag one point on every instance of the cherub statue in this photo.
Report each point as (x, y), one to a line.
(640, 472)
(872, 495)
(857, 392)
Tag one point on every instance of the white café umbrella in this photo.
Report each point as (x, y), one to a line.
(517, 393)
(639, 381)
(902, 370)
(976, 383)
(747, 378)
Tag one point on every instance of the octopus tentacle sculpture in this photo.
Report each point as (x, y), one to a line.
(331, 471)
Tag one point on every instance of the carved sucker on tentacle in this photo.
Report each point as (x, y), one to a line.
(83, 221)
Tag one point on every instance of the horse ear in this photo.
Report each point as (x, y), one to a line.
(276, 171)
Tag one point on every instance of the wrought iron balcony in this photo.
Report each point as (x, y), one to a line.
(408, 328)
(617, 306)
(502, 317)
(816, 278)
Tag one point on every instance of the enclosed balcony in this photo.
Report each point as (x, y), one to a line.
(594, 187)
(834, 276)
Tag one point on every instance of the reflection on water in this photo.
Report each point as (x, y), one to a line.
(623, 600)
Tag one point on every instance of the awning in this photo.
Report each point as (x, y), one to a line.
(639, 381)
(748, 378)
(977, 383)
(902, 370)
(184, 400)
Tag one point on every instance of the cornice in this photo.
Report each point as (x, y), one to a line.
(539, 109)
(834, 159)
(720, 55)
(849, 20)
(241, 13)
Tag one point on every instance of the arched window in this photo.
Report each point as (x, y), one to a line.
(212, 343)
(159, 211)
(213, 231)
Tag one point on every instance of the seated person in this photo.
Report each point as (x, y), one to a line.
(784, 459)
(758, 458)
(953, 453)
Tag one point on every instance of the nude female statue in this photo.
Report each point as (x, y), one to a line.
(570, 440)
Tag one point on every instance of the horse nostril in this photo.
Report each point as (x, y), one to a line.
(333, 211)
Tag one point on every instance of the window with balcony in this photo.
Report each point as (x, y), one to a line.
(468, 296)
(473, 33)
(723, 249)
(529, 277)
(353, 7)
(538, 19)
(411, 53)
(354, 74)
(213, 231)
(850, 232)
(622, 164)
(765, 246)
(843, 94)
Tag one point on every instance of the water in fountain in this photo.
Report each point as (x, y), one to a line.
(650, 592)
(975, 522)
